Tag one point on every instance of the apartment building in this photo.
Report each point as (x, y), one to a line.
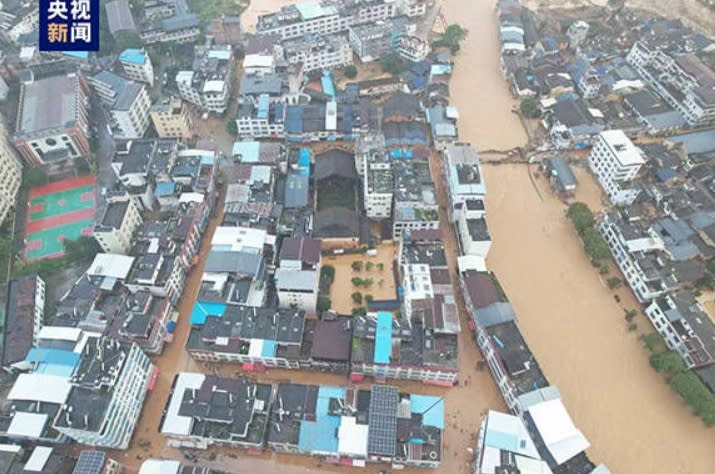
(318, 52)
(615, 160)
(682, 80)
(52, 122)
(127, 101)
(208, 83)
(378, 184)
(172, 119)
(639, 253)
(106, 395)
(465, 180)
(137, 66)
(415, 202)
(10, 173)
(120, 221)
(163, 26)
(295, 20)
(266, 119)
(24, 318)
(298, 274)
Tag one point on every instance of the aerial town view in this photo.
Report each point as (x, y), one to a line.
(344, 236)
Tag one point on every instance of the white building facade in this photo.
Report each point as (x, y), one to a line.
(616, 161)
(10, 174)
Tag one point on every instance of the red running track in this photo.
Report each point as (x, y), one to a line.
(63, 185)
(55, 221)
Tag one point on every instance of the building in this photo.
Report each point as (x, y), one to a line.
(378, 184)
(262, 53)
(128, 103)
(137, 66)
(464, 178)
(318, 52)
(205, 410)
(355, 426)
(654, 113)
(415, 202)
(166, 466)
(227, 30)
(411, 47)
(52, 116)
(685, 327)
(372, 41)
(120, 221)
(560, 175)
(24, 318)
(474, 237)
(107, 393)
(10, 174)
(293, 21)
(639, 253)
(119, 17)
(265, 119)
(298, 274)
(171, 119)
(164, 24)
(18, 19)
(208, 84)
(615, 160)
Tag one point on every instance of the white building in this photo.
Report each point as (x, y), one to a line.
(412, 48)
(128, 103)
(616, 161)
(415, 202)
(297, 288)
(10, 174)
(120, 220)
(137, 66)
(107, 393)
(378, 183)
(639, 253)
(412, 8)
(263, 120)
(474, 236)
(464, 178)
(318, 52)
(208, 84)
(417, 285)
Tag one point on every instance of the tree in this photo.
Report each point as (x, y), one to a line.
(359, 311)
(328, 271)
(369, 299)
(380, 267)
(357, 297)
(369, 266)
(581, 216)
(367, 283)
(126, 40)
(614, 282)
(653, 342)
(668, 362)
(232, 128)
(356, 266)
(356, 281)
(452, 36)
(392, 64)
(529, 108)
(82, 249)
(630, 314)
(324, 303)
(350, 71)
(595, 246)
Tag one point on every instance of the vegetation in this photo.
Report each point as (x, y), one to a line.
(581, 216)
(324, 303)
(380, 267)
(595, 245)
(34, 177)
(668, 362)
(356, 266)
(583, 220)
(350, 71)
(653, 342)
(327, 271)
(529, 108)
(369, 299)
(359, 311)
(369, 266)
(232, 128)
(356, 297)
(453, 35)
(81, 250)
(393, 64)
(630, 314)
(210, 9)
(614, 282)
(367, 283)
(125, 40)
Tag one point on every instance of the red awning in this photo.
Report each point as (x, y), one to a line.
(255, 451)
(346, 462)
(355, 377)
(152, 380)
(249, 367)
(439, 383)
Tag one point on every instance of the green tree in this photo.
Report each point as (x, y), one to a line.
(653, 342)
(356, 281)
(369, 299)
(34, 177)
(630, 314)
(232, 128)
(668, 362)
(350, 71)
(369, 266)
(356, 266)
(581, 216)
(614, 282)
(380, 267)
(453, 35)
(359, 311)
(595, 246)
(367, 283)
(125, 40)
(529, 108)
(324, 303)
(82, 249)
(328, 271)
(392, 64)
(357, 297)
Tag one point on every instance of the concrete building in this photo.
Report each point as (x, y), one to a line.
(171, 119)
(266, 119)
(293, 21)
(127, 101)
(318, 52)
(137, 66)
(474, 237)
(165, 25)
(378, 184)
(412, 8)
(415, 202)
(639, 253)
(616, 161)
(298, 274)
(52, 116)
(24, 318)
(464, 178)
(208, 84)
(107, 393)
(120, 221)
(227, 30)
(10, 174)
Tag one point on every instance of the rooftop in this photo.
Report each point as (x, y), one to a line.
(622, 147)
(22, 301)
(49, 103)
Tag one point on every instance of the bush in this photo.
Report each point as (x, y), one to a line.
(380, 267)
(653, 342)
(453, 35)
(630, 314)
(356, 266)
(369, 266)
(614, 282)
(232, 128)
(367, 283)
(324, 303)
(369, 299)
(360, 311)
(581, 216)
(595, 246)
(350, 71)
(393, 65)
(125, 40)
(529, 108)
(357, 297)
(668, 362)
(82, 249)
(356, 281)
(328, 271)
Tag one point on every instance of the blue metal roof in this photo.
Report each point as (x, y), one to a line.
(383, 338)
(294, 119)
(697, 142)
(431, 408)
(134, 56)
(165, 188)
(77, 54)
(53, 361)
(204, 309)
(263, 102)
(321, 435)
(248, 151)
(665, 174)
(269, 348)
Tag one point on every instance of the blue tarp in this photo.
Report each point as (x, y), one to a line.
(294, 119)
(204, 309)
(53, 361)
(383, 338)
(304, 162)
(431, 409)
(665, 174)
(134, 56)
(320, 436)
(269, 348)
(165, 189)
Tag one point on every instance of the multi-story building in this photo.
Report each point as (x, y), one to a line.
(685, 327)
(474, 237)
(171, 119)
(24, 318)
(318, 52)
(412, 8)
(411, 47)
(263, 120)
(415, 202)
(17, 19)
(378, 184)
(295, 20)
(120, 221)
(371, 41)
(298, 273)
(137, 66)
(107, 392)
(52, 117)
(208, 84)
(227, 30)
(357, 426)
(639, 253)
(10, 174)
(682, 80)
(128, 103)
(464, 177)
(166, 27)
(615, 160)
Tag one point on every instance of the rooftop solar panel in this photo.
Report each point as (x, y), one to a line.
(382, 421)
(89, 462)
